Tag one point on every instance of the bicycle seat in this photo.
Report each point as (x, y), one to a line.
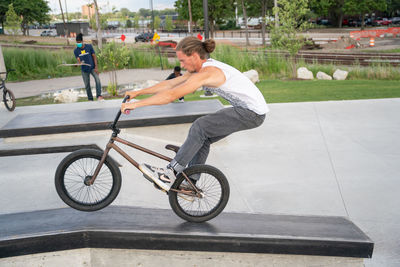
(172, 147)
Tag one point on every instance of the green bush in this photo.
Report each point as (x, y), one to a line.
(31, 64)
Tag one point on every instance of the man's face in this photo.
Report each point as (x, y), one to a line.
(190, 63)
(79, 44)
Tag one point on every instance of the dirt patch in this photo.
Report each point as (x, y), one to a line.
(342, 43)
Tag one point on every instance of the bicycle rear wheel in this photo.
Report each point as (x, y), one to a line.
(214, 188)
(9, 99)
(79, 166)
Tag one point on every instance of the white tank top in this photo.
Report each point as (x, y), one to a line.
(238, 89)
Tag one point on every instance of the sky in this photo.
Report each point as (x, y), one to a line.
(107, 5)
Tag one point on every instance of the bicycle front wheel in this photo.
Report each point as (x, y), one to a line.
(9, 99)
(214, 194)
(79, 167)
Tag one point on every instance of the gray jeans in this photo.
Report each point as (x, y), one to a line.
(86, 81)
(212, 128)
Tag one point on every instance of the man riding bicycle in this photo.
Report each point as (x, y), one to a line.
(248, 105)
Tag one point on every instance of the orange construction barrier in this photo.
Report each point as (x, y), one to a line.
(372, 41)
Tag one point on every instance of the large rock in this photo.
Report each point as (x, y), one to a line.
(252, 75)
(323, 76)
(304, 74)
(340, 74)
(67, 96)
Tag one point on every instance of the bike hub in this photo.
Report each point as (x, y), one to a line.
(87, 180)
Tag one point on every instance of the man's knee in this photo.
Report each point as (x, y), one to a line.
(197, 130)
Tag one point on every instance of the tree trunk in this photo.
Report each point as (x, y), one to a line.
(276, 14)
(340, 19)
(212, 29)
(263, 21)
(245, 24)
(99, 37)
(362, 21)
(65, 28)
(190, 17)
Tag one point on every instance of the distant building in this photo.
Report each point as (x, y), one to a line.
(88, 11)
(73, 28)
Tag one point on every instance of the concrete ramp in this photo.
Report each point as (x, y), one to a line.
(159, 229)
(100, 118)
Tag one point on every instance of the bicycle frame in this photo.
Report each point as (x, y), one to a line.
(111, 145)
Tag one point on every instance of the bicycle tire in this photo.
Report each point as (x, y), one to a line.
(9, 99)
(214, 186)
(70, 175)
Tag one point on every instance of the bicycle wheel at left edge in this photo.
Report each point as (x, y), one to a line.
(80, 165)
(9, 99)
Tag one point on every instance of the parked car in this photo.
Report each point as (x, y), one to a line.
(144, 37)
(395, 20)
(48, 33)
(381, 22)
(112, 27)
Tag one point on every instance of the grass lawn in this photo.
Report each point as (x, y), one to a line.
(278, 91)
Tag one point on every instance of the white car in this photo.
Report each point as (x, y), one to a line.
(48, 33)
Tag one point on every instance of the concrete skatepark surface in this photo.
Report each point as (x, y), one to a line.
(335, 158)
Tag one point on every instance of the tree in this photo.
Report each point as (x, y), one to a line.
(245, 23)
(393, 7)
(157, 22)
(114, 56)
(256, 9)
(292, 20)
(361, 7)
(13, 21)
(103, 22)
(65, 28)
(168, 23)
(31, 11)
(99, 37)
(196, 8)
(136, 22)
(125, 12)
(218, 10)
(128, 23)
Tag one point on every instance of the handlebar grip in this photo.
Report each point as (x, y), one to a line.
(125, 99)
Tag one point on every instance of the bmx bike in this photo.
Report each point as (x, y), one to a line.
(89, 180)
(8, 96)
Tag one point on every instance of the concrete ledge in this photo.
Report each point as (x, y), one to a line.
(100, 118)
(96, 257)
(45, 150)
(157, 229)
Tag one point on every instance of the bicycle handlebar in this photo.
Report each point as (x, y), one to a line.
(118, 114)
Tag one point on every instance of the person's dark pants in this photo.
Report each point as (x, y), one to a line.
(86, 81)
(212, 128)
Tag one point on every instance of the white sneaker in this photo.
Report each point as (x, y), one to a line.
(161, 177)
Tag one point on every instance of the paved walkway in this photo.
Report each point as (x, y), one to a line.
(334, 158)
(36, 87)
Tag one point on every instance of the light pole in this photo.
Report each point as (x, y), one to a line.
(205, 9)
(152, 16)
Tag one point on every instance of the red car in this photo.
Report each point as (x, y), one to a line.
(383, 21)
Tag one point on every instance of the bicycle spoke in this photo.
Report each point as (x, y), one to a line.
(212, 194)
(75, 176)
